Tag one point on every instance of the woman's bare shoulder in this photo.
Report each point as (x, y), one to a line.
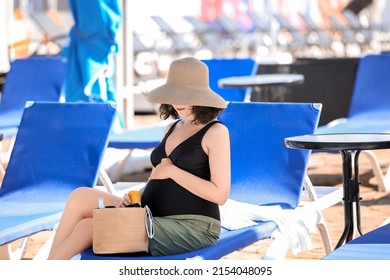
(216, 138)
(218, 130)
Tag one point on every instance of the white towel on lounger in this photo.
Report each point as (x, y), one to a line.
(295, 225)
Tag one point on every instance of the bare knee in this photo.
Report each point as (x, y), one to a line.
(85, 199)
(79, 195)
(79, 199)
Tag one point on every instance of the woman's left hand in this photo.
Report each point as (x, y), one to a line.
(161, 171)
(125, 201)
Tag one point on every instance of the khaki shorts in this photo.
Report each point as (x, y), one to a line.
(183, 233)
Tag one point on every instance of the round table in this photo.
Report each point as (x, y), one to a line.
(258, 81)
(349, 145)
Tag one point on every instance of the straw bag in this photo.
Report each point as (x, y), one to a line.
(122, 230)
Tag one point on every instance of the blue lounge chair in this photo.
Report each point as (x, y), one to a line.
(227, 67)
(58, 147)
(374, 245)
(29, 79)
(264, 171)
(370, 107)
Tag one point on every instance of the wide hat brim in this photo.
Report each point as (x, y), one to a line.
(187, 84)
(180, 95)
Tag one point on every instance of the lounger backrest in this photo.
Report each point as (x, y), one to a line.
(263, 170)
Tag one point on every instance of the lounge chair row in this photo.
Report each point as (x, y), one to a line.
(255, 133)
(225, 35)
(59, 146)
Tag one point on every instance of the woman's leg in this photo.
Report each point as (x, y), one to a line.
(79, 240)
(78, 210)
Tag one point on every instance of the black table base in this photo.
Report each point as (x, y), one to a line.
(351, 196)
(349, 145)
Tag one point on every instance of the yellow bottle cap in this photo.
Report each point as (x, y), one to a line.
(135, 197)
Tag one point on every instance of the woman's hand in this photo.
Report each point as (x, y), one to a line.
(125, 201)
(162, 170)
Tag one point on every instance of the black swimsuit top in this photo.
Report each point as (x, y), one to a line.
(166, 197)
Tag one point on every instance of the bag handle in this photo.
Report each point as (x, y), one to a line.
(149, 223)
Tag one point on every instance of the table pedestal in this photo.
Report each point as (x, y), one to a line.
(351, 196)
(349, 145)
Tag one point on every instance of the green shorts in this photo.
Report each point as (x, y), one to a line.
(183, 233)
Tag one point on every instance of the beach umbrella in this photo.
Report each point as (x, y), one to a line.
(90, 50)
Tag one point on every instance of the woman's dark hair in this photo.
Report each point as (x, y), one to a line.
(202, 114)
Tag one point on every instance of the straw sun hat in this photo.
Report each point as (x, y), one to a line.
(187, 84)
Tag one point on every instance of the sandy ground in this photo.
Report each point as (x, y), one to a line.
(324, 169)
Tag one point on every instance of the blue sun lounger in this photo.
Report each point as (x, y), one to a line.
(58, 147)
(369, 111)
(264, 171)
(374, 245)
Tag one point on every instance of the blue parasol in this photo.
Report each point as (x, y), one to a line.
(89, 54)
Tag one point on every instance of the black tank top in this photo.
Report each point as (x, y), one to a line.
(166, 197)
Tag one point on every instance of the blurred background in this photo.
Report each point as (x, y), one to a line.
(283, 36)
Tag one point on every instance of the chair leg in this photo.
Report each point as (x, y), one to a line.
(387, 178)
(278, 249)
(325, 236)
(280, 246)
(316, 203)
(2, 168)
(2, 171)
(5, 155)
(383, 181)
(44, 251)
(6, 252)
(106, 181)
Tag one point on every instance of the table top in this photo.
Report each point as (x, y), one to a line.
(260, 80)
(340, 141)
